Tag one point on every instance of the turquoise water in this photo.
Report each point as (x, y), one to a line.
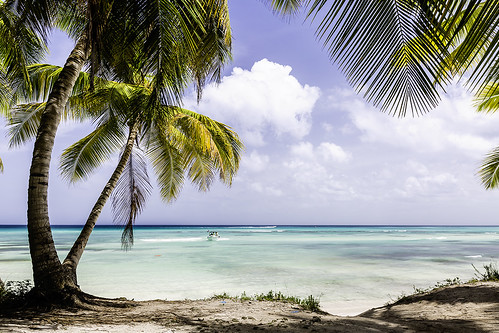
(351, 269)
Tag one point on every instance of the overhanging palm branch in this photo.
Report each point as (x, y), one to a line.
(80, 159)
(20, 46)
(401, 53)
(489, 171)
(130, 195)
(488, 99)
(372, 42)
(1, 165)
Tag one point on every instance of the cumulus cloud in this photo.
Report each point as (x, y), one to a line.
(313, 170)
(324, 152)
(267, 97)
(269, 190)
(454, 126)
(255, 162)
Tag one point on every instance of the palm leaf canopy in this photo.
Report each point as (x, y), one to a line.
(173, 41)
(400, 54)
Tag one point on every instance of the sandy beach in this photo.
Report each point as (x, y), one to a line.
(462, 308)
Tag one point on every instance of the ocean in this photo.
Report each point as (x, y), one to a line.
(349, 268)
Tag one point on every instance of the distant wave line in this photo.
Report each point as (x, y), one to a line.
(172, 240)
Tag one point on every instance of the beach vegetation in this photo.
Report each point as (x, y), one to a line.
(14, 293)
(310, 303)
(491, 273)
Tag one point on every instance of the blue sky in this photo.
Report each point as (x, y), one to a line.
(316, 153)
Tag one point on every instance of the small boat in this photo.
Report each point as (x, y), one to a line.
(213, 235)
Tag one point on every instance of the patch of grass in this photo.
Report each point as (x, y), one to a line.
(491, 273)
(310, 303)
(222, 296)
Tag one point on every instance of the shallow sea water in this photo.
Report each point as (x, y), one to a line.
(350, 269)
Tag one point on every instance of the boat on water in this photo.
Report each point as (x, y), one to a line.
(213, 235)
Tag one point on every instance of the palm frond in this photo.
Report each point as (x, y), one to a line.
(20, 46)
(1, 166)
(24, 122)
(489, 170)
(480, 45)
(213, 45)
(367, 38)
(80, 159)
(285, 7)
(219, 141)
(38, 15)
(488, 99)
(130, 194)
(167, 161)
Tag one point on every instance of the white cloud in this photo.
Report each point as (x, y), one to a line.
(255, 162)
(332, 152)
(268, 190)
(325, 152)
(264, 98)
(313, 173)
(454, 126)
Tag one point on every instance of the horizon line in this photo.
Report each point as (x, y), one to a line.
(259, 225)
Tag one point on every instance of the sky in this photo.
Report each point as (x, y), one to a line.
(316, 153)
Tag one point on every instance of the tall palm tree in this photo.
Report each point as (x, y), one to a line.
(176, 141)
(166, 35)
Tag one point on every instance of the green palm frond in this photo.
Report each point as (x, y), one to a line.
(5, 94)
(38, 15)
(84, 156)
(366, 38)
(43, 77)
(218, 140)
(167, 162)
(24, 122)
(488, 99)
(489, 170)
(1, 166)
(71, 18)
(130, 194)
(20, 45)
(285, 7)
(213, 45)
(481, 43)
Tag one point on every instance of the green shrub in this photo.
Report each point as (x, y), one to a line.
(311, 303)
(13, 292)
(491, 273)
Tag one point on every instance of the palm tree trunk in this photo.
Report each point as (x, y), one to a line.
(73, 257)
(48, 273)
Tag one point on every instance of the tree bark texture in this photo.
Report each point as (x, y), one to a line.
(48, 273)
(74, 256)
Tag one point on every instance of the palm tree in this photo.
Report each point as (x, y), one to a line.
(177, 140)
(168, 41)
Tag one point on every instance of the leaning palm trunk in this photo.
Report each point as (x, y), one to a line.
(73, 257)
(48, 273)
